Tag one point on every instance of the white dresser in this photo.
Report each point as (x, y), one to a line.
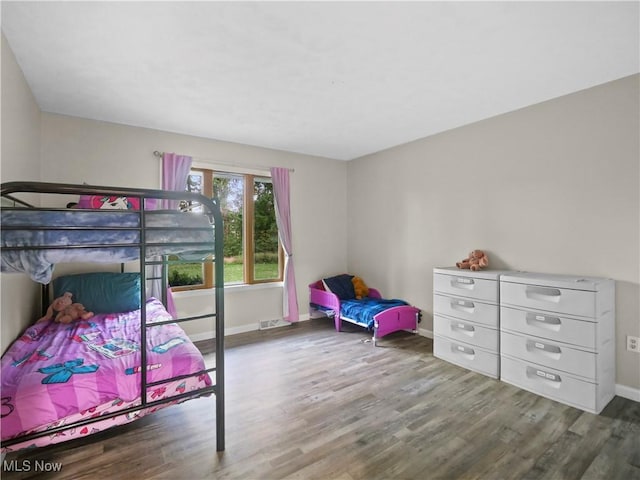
(557, 337)
(466, 318)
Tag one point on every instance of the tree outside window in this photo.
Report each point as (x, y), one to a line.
(252, 250)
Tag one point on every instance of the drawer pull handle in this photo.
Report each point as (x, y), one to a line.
(463, 282)
(552, 377)
(463, 326)
(544, 294)
(543, 346)
(462, 304)
(462, 349)
(536, 317)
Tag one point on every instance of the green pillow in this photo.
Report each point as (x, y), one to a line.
(101, 292)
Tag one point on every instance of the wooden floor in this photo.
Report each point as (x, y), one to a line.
(305, 402)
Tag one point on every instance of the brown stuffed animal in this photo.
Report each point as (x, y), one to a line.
(476, 260)
(66, 311)
(360, 287)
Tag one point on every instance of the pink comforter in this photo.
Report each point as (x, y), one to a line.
(57, 372)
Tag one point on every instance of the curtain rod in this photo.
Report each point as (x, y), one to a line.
(239, 165)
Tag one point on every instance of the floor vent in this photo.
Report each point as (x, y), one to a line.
(265, 324)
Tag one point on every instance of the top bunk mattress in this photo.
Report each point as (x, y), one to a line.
(33, 241)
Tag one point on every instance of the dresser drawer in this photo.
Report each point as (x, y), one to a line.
(557, 300)
(549, 354)
(466, 286)
(467, 332)
(466, 309)
(554, 327)
(467, 356)
(550, 383)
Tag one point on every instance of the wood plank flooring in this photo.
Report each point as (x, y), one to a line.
(306, 402)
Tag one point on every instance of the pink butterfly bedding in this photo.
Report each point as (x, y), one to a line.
(55, 374)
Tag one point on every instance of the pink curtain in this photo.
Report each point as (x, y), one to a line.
(175, 170)
(280, 177)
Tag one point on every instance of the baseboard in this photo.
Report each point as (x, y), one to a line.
(628, 392)
(198, 337)
(624, 391)
(423, 332)
(269, 324)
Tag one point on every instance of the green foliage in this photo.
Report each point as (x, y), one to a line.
(191, 273)
(264, 226)
(232, 234)
(229, 189)
(266, 257)
(185, 274)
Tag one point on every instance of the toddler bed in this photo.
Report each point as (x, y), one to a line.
(336, 297)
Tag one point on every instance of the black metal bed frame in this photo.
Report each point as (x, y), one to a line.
(212, 209)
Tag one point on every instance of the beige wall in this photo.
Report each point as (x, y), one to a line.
(77, 150)
(55, 148)
(549, 188)
(20, 159)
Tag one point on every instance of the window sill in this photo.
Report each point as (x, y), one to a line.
(229, 288)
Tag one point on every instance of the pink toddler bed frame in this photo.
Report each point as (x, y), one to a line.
(391, 320)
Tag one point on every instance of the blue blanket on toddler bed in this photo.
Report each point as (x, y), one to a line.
(362, 311)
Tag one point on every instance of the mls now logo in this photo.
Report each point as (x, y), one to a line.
(31, 466)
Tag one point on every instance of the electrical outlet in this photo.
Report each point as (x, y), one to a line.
(633, 343)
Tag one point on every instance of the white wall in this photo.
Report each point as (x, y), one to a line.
(20, 159)
(77, 150)
(549, 188)
(55, 148)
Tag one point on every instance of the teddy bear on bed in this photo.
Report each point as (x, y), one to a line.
(65, 310)
(476, 260)
(360, 288)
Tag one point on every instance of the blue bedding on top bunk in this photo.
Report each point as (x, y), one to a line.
(41, 235)
(362, 311)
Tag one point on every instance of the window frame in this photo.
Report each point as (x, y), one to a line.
(248, 230)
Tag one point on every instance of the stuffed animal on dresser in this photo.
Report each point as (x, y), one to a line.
(475, 261)
(65, 310)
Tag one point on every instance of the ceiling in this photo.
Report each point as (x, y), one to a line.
(331, 79)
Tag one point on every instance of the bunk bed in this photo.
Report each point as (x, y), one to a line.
(63, 381)
(335, 297)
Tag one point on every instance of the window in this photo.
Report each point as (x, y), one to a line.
(252, 250)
